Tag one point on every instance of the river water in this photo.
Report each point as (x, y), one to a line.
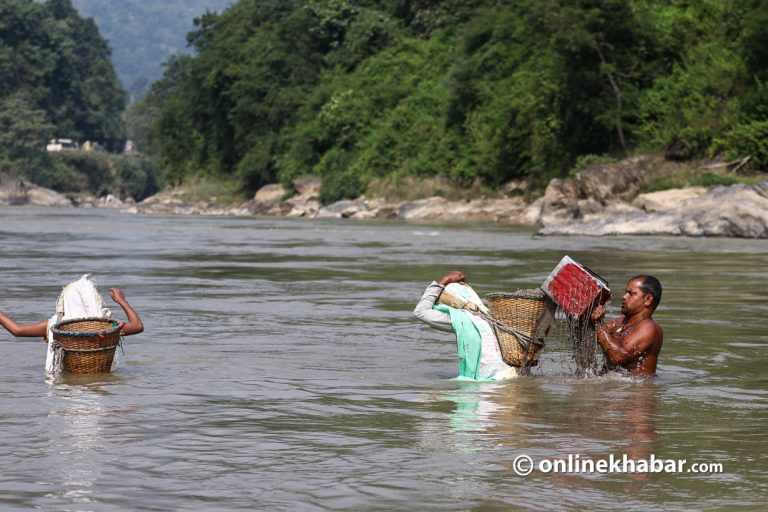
(281, 369)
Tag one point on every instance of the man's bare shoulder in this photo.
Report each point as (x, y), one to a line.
(648, 326)
(650, 334)
(659, 331)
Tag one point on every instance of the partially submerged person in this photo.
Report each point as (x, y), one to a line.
(632, 343)
(79, 299)
(478, 349)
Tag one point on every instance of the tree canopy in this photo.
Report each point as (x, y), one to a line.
(489, 90)
(57, 81)
(56, 78)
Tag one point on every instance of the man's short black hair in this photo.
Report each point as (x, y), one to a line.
(650, 284)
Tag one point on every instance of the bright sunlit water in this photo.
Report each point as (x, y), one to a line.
(281, 369)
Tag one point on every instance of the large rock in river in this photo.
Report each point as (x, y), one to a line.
(16, 191)
(735, 211)
(270, 194)
(595, 188)
(668, 200)
(271, 199)
(503, 211)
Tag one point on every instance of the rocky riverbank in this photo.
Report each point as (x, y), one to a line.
(604, 200)
(19, 192)
(600, 200)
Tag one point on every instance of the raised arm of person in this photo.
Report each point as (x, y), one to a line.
(424, 311)
(455, 276)
(33, 330)
(134, 324)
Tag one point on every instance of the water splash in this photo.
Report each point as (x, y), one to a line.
(574, 334)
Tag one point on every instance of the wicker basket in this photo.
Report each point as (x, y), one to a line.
(88, 344)
(527, 312)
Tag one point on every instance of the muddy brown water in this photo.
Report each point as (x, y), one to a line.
(281, 369)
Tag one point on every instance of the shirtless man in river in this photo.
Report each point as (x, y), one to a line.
(632, 342)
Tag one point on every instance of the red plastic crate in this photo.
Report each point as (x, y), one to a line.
(575, 288)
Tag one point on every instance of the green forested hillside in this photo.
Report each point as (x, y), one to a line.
(57, 80)
(488, 90)
(55, 77)
(143, 34)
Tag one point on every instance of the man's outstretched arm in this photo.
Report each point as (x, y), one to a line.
(33, 330)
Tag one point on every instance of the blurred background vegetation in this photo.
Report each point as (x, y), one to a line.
(380, 95)
(143, 34)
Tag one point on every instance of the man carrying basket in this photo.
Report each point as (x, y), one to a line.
(77, 300)
(480, 357)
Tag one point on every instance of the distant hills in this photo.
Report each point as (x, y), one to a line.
(143, 34)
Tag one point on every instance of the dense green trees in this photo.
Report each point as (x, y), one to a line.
(55, 66)
(468, 89)
(56, 80)
(354, 91)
